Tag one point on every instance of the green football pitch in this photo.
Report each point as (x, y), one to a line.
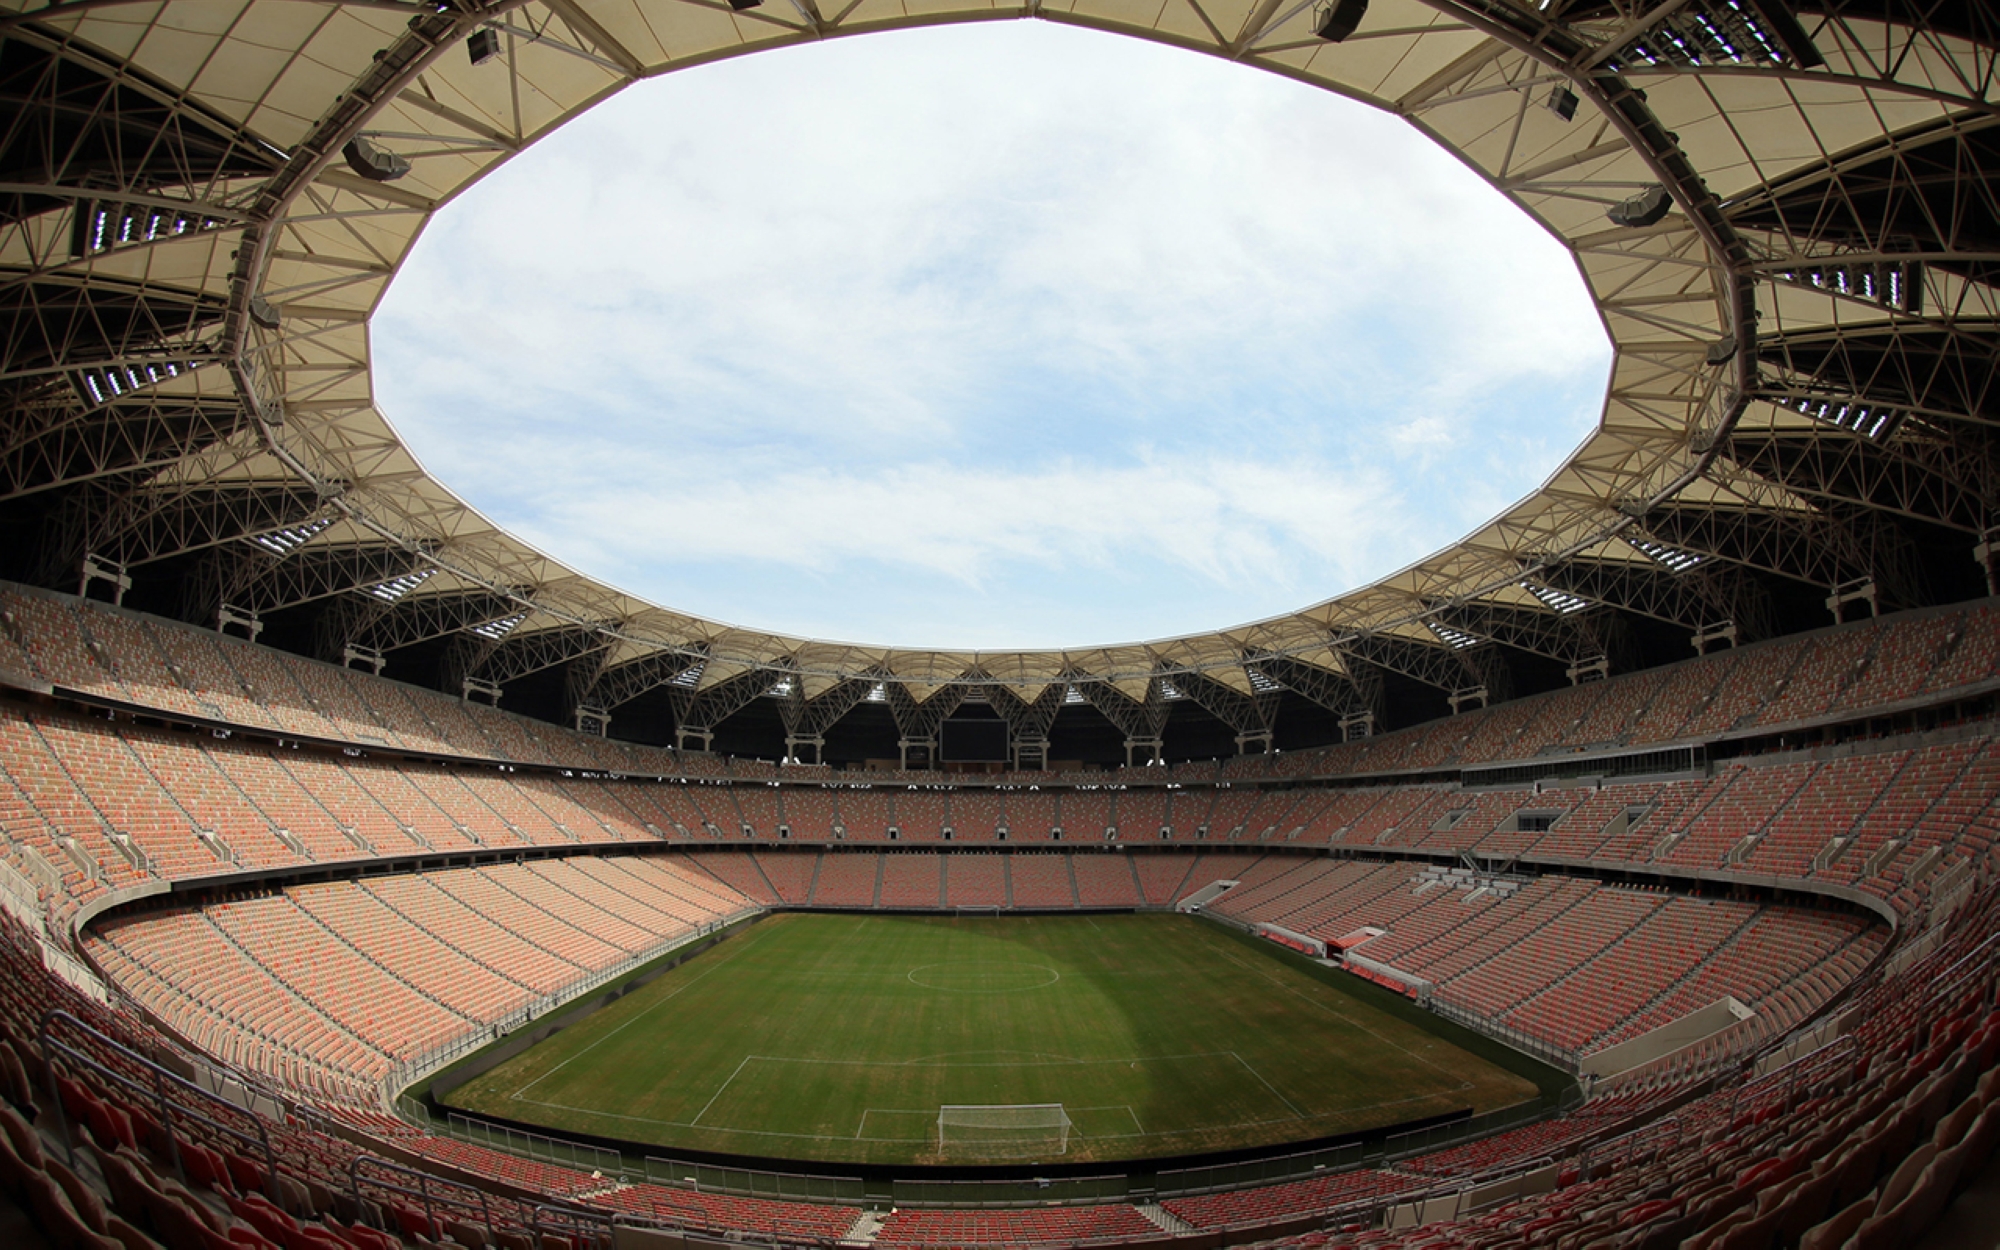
(837, 1038)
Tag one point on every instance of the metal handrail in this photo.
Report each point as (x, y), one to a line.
(163, 1082)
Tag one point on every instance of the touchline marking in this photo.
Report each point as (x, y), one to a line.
(1296, 993)
(1267, 1085)
(516, 1096)
(718, 1092)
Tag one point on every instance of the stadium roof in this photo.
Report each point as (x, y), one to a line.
(1785, 213)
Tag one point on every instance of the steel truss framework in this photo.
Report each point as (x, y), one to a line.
(1803, 383)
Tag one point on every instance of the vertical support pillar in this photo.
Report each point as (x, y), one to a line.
(1031, 754)
(1596, 668)
(96, 570)
(1860, 590)
(471, 686)
(1151, 746)
(244, 618)
(1721, 631)
(688, 738)
(1984, 551)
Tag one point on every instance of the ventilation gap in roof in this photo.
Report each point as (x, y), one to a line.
(396, 587)
(1673, 559)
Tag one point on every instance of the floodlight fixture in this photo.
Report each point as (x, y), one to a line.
(1855, 416)
(376, 164)
(1644, 209)
(1790, 33)
(1897, 285)
(102, 385)
(483, 45)
(1704, 33)
(1335, 20)
(100, 226)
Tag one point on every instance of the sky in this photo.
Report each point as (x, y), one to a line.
(1009, 335)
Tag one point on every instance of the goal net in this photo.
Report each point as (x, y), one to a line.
(978, 909)
(1015, 1130)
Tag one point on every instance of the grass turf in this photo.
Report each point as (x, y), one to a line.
(837, 1038)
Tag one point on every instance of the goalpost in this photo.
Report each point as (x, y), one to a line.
(977, 909)
(1000, 1131)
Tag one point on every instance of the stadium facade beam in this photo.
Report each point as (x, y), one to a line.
(1947, 372)
(1696, 599)
(1814, 547)
(271, 583)
(697, 713)
(1142, 720)
(1432, 664)
(626, 680)
(419, 618)
(151, 522)
(56, 444)
(807, 718)
(1029, 720)
(918, 719)
(1253, 716)
(1568, 638)
(525, 651)
(1943, 476)
(1357, 692)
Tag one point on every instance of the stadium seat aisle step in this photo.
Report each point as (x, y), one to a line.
(862, 1233)
(1167, 1220)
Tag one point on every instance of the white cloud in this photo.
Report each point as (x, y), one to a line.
(1019, 314)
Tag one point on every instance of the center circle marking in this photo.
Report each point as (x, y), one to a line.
(984, 976)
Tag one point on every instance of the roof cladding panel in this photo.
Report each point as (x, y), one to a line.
(1934, 192)
(1972, 20)
(1743, 297)
(80, 123)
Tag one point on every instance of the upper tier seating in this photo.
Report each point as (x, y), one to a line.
(111, 653)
